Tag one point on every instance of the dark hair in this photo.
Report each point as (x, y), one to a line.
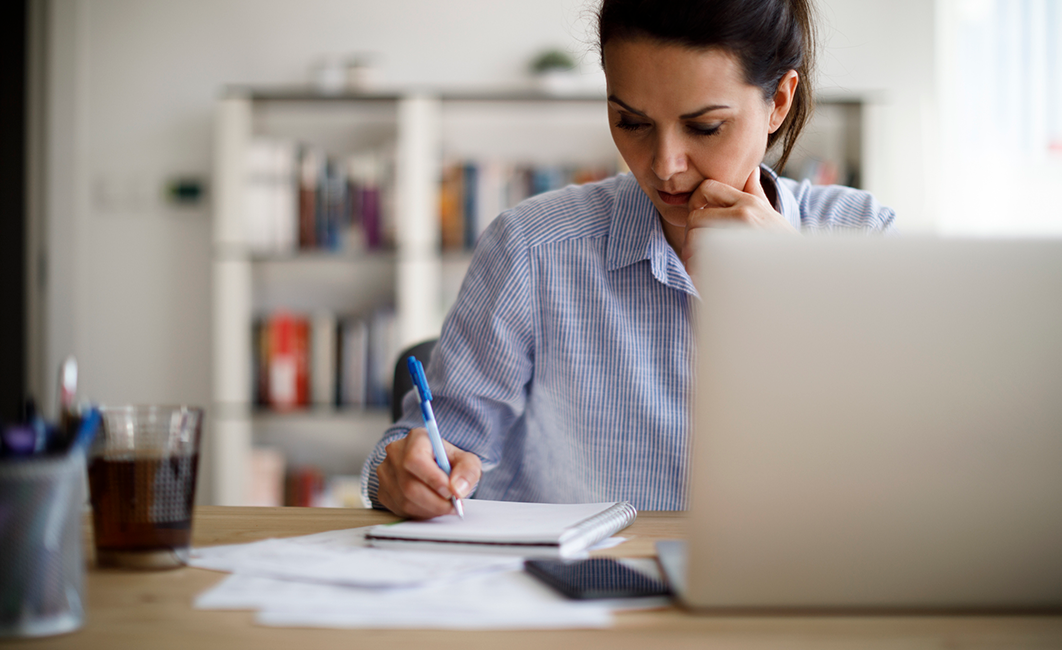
(768, 37)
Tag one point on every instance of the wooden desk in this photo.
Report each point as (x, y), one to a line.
(153, 610)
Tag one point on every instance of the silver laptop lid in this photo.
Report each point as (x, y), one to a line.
(878, 423)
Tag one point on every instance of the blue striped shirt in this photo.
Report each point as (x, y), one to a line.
(566, 363)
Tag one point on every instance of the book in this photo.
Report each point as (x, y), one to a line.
(303, 486)
(323, 352)
(511, 528)
(354, 350)
(287, 362)
(265, 478)
(310, 164)
(473, 192)
(269, 200)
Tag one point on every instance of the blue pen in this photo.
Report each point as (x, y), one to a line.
(86, 431)
(420, 382)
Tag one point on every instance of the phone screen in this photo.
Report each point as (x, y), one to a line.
(596, 578)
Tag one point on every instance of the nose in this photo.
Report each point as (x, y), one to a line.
(669, 156)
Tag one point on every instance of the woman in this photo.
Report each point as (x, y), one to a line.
(563, 372)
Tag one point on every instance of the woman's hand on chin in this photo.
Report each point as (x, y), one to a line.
(716, 204)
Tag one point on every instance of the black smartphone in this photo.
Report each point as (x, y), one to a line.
(596, 578)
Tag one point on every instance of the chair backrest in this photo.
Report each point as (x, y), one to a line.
(403, 382)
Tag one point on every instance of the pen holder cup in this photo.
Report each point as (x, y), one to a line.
(41, 566)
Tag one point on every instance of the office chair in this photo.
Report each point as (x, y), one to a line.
(403, 382)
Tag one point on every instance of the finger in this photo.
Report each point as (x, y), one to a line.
(711, 216)
(754, 187)
(421, 502)
(408, 497)
(467, 469)
(419, 462)
(712, 193)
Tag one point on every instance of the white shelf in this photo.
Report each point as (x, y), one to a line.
(342, 284)
(322, 415)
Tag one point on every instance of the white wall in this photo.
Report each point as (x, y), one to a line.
(131, 90)
(884, 52)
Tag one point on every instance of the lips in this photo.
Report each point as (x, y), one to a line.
(674, 199)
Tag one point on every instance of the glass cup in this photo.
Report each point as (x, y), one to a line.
(142, 471)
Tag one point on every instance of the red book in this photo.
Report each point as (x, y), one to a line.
(301, 351)
(283, 364)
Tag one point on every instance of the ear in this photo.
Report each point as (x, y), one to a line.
(783, 100)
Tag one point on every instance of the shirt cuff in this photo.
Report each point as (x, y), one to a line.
(370, 483)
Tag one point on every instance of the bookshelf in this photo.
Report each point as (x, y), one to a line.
(831, 148)
(255, 274)
(422, 133)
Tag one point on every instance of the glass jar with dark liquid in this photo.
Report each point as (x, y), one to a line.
(142, 477)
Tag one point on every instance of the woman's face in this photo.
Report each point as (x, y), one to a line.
(680, 116)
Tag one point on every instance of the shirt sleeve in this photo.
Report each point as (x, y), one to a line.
(834, 207)
(481, 367)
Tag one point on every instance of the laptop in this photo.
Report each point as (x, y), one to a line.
(878, 426)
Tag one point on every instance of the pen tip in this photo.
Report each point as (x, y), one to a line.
(459, 508)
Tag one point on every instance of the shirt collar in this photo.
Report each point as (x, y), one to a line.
(635, 235)
(786, 203)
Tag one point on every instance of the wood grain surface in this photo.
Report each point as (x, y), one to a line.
(154, 609)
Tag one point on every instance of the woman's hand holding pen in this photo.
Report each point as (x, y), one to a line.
(411, 483)
(715, 204)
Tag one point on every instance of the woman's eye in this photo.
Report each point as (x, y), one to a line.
(704, 129)
(628, 125)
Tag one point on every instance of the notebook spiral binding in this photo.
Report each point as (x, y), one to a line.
(592, 530)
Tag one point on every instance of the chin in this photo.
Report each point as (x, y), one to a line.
(676, 215)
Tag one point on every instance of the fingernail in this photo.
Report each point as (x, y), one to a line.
(461, 485)
(443, 491)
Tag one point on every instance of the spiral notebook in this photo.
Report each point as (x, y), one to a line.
(511, 528)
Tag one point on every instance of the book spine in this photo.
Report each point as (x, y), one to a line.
(283, 392)
(282, 209)
(301, 351)
(308, 181)
(258, 358)
(355, 348)
(381, 357)
(470, 194)
(257, 221)
(451, 208)
(265, 484)
(323, 359)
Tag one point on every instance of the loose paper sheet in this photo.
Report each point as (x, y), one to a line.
(507, 600)
(341, 558)
(333, 579)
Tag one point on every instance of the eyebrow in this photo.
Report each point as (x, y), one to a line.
(688, 116)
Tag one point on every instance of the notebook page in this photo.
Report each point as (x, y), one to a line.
(498, 521)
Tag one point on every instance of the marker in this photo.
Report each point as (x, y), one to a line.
(420, 382)
(86, 431)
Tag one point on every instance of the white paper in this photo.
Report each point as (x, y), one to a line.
(506, 600)
(341, 558)
(610, 542)
(334, 580)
